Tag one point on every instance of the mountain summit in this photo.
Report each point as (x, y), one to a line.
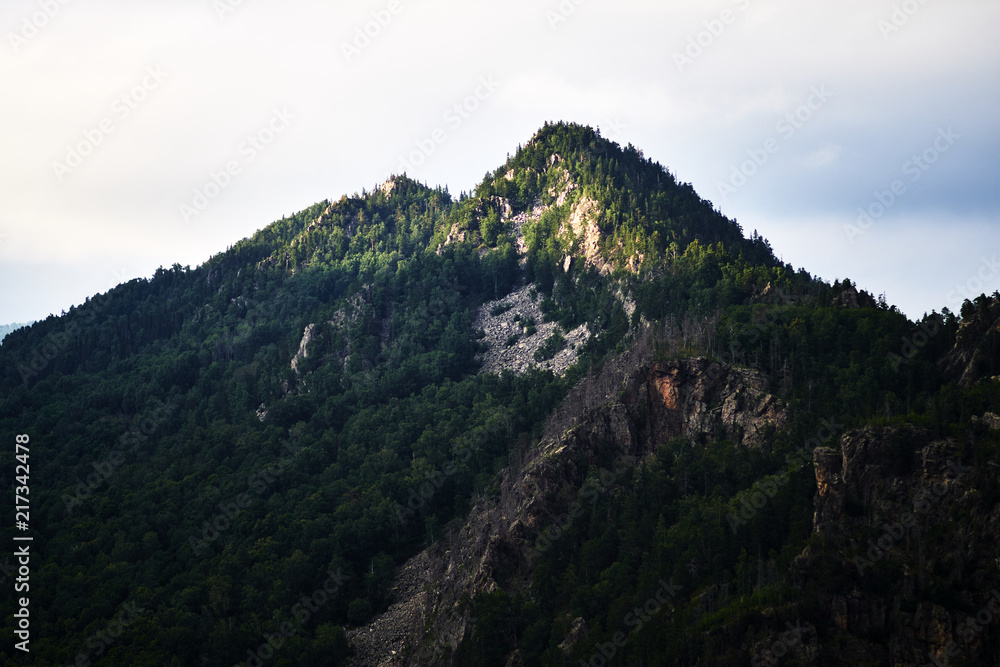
(576, 416)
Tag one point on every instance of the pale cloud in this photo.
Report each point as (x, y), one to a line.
(921, 263)
(642, 99)
(822, 157)
(356, 116)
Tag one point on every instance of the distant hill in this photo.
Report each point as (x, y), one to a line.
(7, 328)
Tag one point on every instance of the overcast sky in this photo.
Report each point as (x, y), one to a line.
(790, 116)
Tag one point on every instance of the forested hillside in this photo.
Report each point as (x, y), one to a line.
(229, 463)
(7, 328)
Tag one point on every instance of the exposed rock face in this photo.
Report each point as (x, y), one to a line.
(388, 186)
(580, 233)
(564, 182)
(341, 319)
(895, 500)
(829, 464)
(850, 297)
(499, 204)
(892, 504)
(324, 218)
(517, 225)
(379, 643)
(700, 398)
(976, 353)
(454, 235)
(623, 414)
(586, 234)
(303, 352)
(577, 633)
(513, 325)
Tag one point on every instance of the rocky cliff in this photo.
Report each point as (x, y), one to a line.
(907, 553)
(976, 353)
(613, 420)
(904, 561)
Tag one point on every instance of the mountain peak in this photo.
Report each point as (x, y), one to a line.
(390, 184)
(534, 401)
(639, 209)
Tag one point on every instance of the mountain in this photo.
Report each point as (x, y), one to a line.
(7, 328)
(576, 416)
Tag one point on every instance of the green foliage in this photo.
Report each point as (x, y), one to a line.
(551, 347)
(184, 465)
(157, 386)
(643, 207)
(500, 309)
(490, 228)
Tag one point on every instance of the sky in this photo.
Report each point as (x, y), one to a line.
(861, 137)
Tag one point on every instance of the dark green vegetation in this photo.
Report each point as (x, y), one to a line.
(7, 328)
(179, 463)
(684, 517)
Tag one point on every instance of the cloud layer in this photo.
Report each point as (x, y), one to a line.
(789, 116)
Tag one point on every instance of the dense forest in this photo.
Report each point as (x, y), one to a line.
(7, 328)
(205, 477)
